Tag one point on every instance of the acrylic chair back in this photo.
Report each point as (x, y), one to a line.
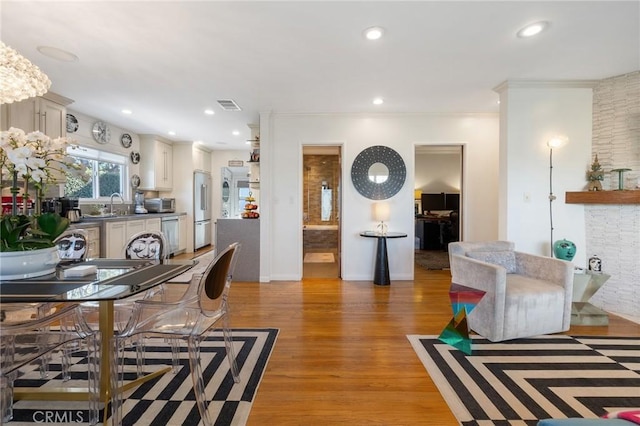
(147, 245)
(72, 244)
(216, 281)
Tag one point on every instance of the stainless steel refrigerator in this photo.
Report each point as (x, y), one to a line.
(201, 209)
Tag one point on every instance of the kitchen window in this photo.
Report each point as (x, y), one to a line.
(104, 173)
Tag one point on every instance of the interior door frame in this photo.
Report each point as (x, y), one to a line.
(340, 176)
(443, 146)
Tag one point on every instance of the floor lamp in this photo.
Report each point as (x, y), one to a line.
(555, 142)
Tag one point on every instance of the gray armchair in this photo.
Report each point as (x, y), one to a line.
(526, 295)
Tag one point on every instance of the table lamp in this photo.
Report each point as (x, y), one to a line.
(381, 214)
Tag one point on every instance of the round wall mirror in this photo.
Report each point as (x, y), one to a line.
(378, 172)
(225, 192)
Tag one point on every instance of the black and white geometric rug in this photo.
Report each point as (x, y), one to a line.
(521, 381)
(168, 399)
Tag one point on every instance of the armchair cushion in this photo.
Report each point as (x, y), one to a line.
(506, 258)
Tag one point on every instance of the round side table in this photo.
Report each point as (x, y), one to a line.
(381, 272)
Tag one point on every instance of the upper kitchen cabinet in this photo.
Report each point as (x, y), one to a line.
(201, 160)
(156, 164)
(47, 114)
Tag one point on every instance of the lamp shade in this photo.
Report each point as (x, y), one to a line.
(417, 194)
(557, 141)
(381, 212)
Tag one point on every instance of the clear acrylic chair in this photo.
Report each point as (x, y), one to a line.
(146, 245)
(72, 245)
(204, 303)
(22, 343)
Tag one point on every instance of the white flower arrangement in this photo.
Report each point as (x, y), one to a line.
(34, 157)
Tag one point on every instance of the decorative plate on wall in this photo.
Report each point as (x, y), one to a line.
(126, 140)
(135, 157)
(378, 172)
(72, 123)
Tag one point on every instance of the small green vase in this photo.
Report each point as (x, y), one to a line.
(564, 249)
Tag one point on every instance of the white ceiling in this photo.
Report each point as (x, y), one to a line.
(169, 60)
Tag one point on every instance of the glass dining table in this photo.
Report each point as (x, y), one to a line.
(108, 280)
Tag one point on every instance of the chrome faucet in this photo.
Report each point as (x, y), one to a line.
(111, 201)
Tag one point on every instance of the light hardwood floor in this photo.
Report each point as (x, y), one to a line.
(342, 356)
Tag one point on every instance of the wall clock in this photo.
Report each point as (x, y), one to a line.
(101, 132)
(378, 172)
(126, 140)
(72, 123)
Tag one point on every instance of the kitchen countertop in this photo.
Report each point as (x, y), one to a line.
(119, 218)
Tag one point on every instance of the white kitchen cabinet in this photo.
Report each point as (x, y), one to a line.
(201, 160)
(93, 246)
(47, 114)
(135, 226)
(154, 224)
(156, 164)
(118, 233)
(115, 239)
(182, 233)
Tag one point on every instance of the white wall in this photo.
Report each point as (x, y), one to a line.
(530, 114)
(436, 173)
(281, 149)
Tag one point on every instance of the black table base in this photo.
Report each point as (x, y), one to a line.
(381, 272)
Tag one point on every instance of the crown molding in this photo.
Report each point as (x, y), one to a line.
(545, 84)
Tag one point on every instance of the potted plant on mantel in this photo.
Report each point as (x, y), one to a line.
(27, 246)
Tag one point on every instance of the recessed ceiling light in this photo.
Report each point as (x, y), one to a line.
(533, 29)
(209, 111)
(198, 142)
(235, 133)
(374, 33)
(378, 101)
(127, 111)
(172, 133)
(58, 54)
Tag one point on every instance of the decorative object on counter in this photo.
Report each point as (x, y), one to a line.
(250, 208)
(595, 176)
(595, 264)
(21, 79)
(72, 123)
(126, 140)
(378, 172)
(620, 177)
(135, 157)
(101, 132)
(564, 249)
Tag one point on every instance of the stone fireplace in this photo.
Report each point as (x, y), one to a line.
(613, 230)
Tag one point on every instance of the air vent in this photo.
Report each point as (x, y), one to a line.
(229, 105)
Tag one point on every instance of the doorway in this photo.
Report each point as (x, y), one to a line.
(438, 203)
(321, 189)
(235, 190)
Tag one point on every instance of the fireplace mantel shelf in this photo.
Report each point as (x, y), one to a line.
(603, 197)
